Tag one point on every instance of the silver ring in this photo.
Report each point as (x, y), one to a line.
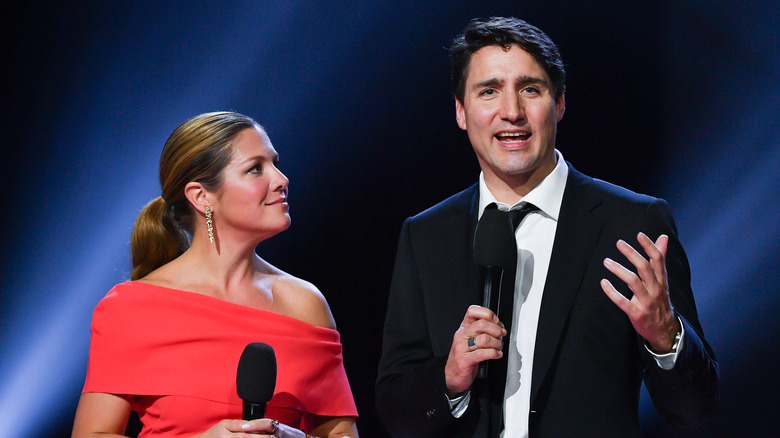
(472, 342)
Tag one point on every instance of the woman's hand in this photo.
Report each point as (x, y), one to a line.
(264, 427)
(242, 429)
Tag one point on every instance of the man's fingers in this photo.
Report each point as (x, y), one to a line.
(633, 281)
(644, 268)
(483, 354)
(486, 327)
(656, 253)
(662, 243)
(484, 341)
(480, 333)
(655, 249)
(475, 313)
(483, 347)
(622, 302)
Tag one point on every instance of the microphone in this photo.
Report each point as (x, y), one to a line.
(256, 378)
(494, 250)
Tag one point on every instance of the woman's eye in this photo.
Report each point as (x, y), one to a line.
(255, 169)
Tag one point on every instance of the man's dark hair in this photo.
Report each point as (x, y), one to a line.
(505, 31)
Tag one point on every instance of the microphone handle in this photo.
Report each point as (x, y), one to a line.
(253, 411)
(490, 279)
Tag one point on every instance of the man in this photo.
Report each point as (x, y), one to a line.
(592, 316)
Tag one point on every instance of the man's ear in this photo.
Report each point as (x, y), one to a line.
(560, 106)
(460, 114)
(197, 195)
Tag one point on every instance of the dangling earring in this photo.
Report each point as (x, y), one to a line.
(209, 224)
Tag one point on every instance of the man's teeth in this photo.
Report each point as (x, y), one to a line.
(513, 135)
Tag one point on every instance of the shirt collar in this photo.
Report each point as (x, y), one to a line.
(546, 196)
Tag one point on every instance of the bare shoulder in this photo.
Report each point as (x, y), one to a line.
(302, 300)
(168, 275)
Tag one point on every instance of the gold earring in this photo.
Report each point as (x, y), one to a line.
(209, 224)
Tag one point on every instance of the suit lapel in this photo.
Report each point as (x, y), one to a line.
(464, 274)
(446, 257)
(579, 226)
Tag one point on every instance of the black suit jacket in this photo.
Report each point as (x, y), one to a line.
(588, 360)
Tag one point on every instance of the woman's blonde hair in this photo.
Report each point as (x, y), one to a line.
(197, 151)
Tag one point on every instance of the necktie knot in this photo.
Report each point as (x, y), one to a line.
(517, 215)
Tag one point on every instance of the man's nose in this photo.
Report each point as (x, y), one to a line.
(511, 107)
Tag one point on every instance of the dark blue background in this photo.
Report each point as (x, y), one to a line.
(675, 99)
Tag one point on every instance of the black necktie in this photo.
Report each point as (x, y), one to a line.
(506, 301)
(505, 310)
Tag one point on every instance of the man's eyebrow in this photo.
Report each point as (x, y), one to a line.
(488, 83)
(531, 80)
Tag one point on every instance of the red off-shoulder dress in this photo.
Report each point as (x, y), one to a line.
(178, 352)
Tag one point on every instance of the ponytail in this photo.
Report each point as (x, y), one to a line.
(156, 238)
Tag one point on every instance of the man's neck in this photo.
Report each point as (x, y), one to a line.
(509, 189)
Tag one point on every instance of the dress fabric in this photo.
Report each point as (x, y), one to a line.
(178, 351)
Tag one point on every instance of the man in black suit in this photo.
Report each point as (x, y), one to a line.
(592, 315)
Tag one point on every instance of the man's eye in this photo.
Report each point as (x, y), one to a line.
(488, 92)
(531, 90)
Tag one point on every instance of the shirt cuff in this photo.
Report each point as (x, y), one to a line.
(458, 405)
(668, 360)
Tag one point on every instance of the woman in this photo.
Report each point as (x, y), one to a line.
(167, 343)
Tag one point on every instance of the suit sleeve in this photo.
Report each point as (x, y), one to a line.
(410, 389)
(687, 394)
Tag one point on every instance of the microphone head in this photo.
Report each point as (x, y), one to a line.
(256, 376)
(494, 240)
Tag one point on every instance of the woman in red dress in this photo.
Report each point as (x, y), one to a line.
(167, 343)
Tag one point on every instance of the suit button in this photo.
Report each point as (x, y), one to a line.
(430, 413)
